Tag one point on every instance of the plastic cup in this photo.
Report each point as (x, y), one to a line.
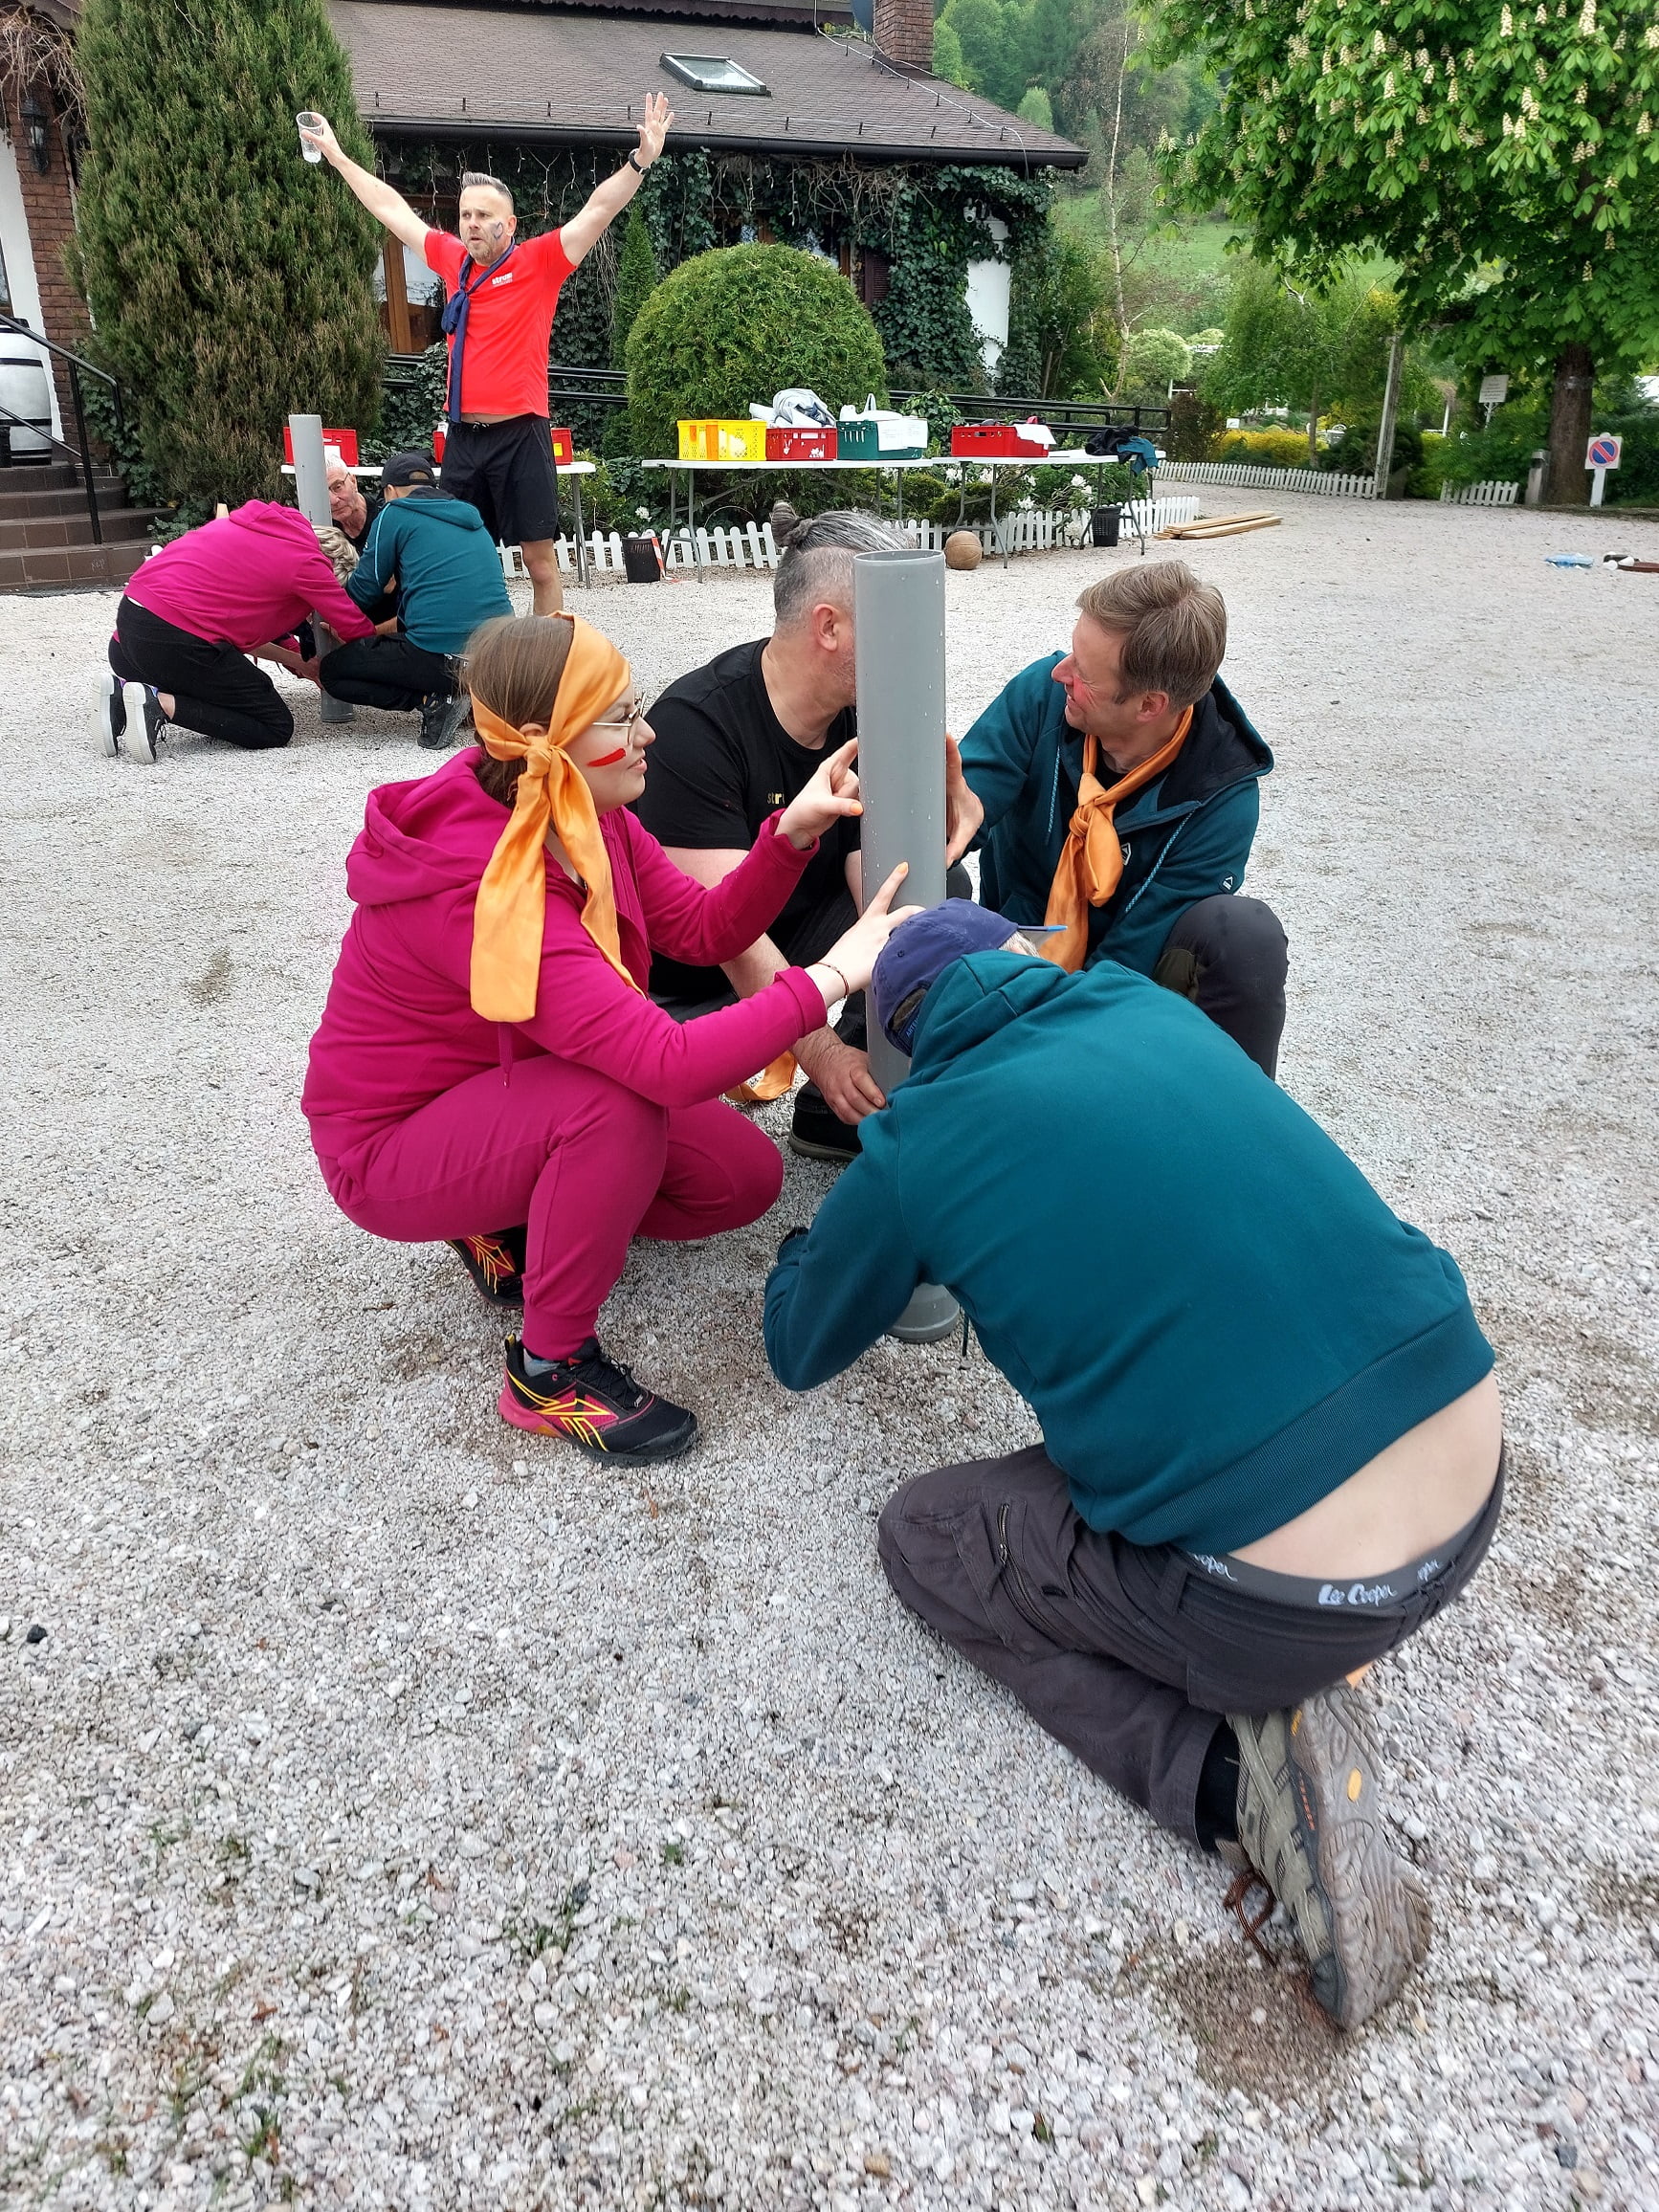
(306, 120)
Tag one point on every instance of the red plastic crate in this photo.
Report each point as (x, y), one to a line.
(995, 441)
(344, 442)
(801, 445)
(984, 441)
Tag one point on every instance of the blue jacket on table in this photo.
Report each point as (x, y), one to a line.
(1213, 1316)
(1186, 836)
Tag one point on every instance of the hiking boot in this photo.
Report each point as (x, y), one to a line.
(596, 1402)
(817, 1133)
(444, 719)
(495, 1264)
(146, 725)
(1309, 1822)
(109, 719)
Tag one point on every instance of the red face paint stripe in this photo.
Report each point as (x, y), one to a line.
(609, 759)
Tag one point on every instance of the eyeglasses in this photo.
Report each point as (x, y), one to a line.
(624, 722)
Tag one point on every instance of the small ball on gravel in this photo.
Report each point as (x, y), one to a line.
(963, 550)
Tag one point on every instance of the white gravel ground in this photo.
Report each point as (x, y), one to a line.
(396, 1812)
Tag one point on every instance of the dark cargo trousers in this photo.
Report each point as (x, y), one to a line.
(1129, 1656)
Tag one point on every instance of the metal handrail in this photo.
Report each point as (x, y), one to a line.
(18, 328)
(21, 329)
(608, 388)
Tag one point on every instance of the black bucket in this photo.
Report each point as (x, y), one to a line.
(639, 559)
(1103, 525)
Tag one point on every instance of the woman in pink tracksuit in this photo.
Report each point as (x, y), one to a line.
(489, 1054)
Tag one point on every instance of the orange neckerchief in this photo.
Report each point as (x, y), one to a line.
(1092, 864)
(511, 907)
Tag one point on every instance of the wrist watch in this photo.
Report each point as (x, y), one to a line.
(635, 163)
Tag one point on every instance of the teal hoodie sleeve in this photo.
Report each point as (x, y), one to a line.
(1205, 857)
(996, 754)
(839, 1289)
(378, 563)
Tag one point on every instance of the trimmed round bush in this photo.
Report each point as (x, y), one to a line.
(737, 324)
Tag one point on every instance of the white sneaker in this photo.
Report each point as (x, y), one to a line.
(109, 719)
(145, 723)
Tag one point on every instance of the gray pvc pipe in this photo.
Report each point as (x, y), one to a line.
(311, 491)
(898, 632)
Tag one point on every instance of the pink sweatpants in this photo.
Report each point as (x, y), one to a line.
(584, 1162)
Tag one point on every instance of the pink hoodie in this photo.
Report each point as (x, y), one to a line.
(248, 579)
(399, 1028)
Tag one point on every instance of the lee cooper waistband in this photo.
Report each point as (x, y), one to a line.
(1385, 1593)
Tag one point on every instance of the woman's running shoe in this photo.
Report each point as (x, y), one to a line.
(495, 1264)
(597, 1403)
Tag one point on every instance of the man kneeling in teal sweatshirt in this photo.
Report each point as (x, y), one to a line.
(1271, 1441)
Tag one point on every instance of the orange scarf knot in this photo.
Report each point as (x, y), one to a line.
(1092, 864)
(510, 912)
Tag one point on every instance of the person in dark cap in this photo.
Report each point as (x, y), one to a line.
(433, 555)
(1272, 1443)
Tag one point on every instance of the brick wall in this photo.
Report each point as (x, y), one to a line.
(49, 205)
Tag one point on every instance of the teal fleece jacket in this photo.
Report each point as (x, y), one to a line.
(447, 571)
(1213, 1316)
(1186, 836)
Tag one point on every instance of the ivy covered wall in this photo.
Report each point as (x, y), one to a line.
(925, 223)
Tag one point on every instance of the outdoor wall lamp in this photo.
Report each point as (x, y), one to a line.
(34, 122)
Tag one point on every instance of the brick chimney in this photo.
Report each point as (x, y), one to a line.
(904, 34)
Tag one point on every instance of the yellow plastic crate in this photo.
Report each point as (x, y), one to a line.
(720, 440)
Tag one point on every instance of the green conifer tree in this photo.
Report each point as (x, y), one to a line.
(636, 276)
(229, 280)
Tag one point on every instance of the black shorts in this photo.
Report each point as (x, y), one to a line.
(505, 469)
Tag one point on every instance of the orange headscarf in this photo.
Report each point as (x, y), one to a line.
(1092, 864)
(512, 903)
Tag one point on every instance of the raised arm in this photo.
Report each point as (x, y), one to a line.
(383, 203)
(582, 233)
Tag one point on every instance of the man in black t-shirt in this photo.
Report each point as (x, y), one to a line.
(738, 738)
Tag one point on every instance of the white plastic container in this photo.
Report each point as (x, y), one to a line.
(25, 392)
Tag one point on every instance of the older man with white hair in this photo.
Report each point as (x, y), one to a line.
(352, 508)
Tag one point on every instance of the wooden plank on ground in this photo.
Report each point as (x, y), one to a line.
(1193, 534)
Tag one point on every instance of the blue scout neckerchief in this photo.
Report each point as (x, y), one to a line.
(454, 323)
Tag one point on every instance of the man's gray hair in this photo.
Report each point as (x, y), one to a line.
(471, 177)
(817, 563)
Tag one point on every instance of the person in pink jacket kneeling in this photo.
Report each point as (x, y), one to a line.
(489, 1053)
(193, 613)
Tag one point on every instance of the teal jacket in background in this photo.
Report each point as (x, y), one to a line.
(1186, 836)
(1213, 1316)
(447, 571)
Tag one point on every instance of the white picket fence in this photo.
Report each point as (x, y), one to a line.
(752, 545)
(1040, 530)
(1320, 483)
(1487, 495)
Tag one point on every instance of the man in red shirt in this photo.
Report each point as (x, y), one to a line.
(503, 295)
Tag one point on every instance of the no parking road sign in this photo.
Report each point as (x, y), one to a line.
(1599, 455)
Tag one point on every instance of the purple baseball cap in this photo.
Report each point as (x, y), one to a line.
(917, 954)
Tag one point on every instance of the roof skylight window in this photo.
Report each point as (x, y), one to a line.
(712, 73)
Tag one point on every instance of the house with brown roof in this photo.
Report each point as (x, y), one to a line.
(793, 121)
